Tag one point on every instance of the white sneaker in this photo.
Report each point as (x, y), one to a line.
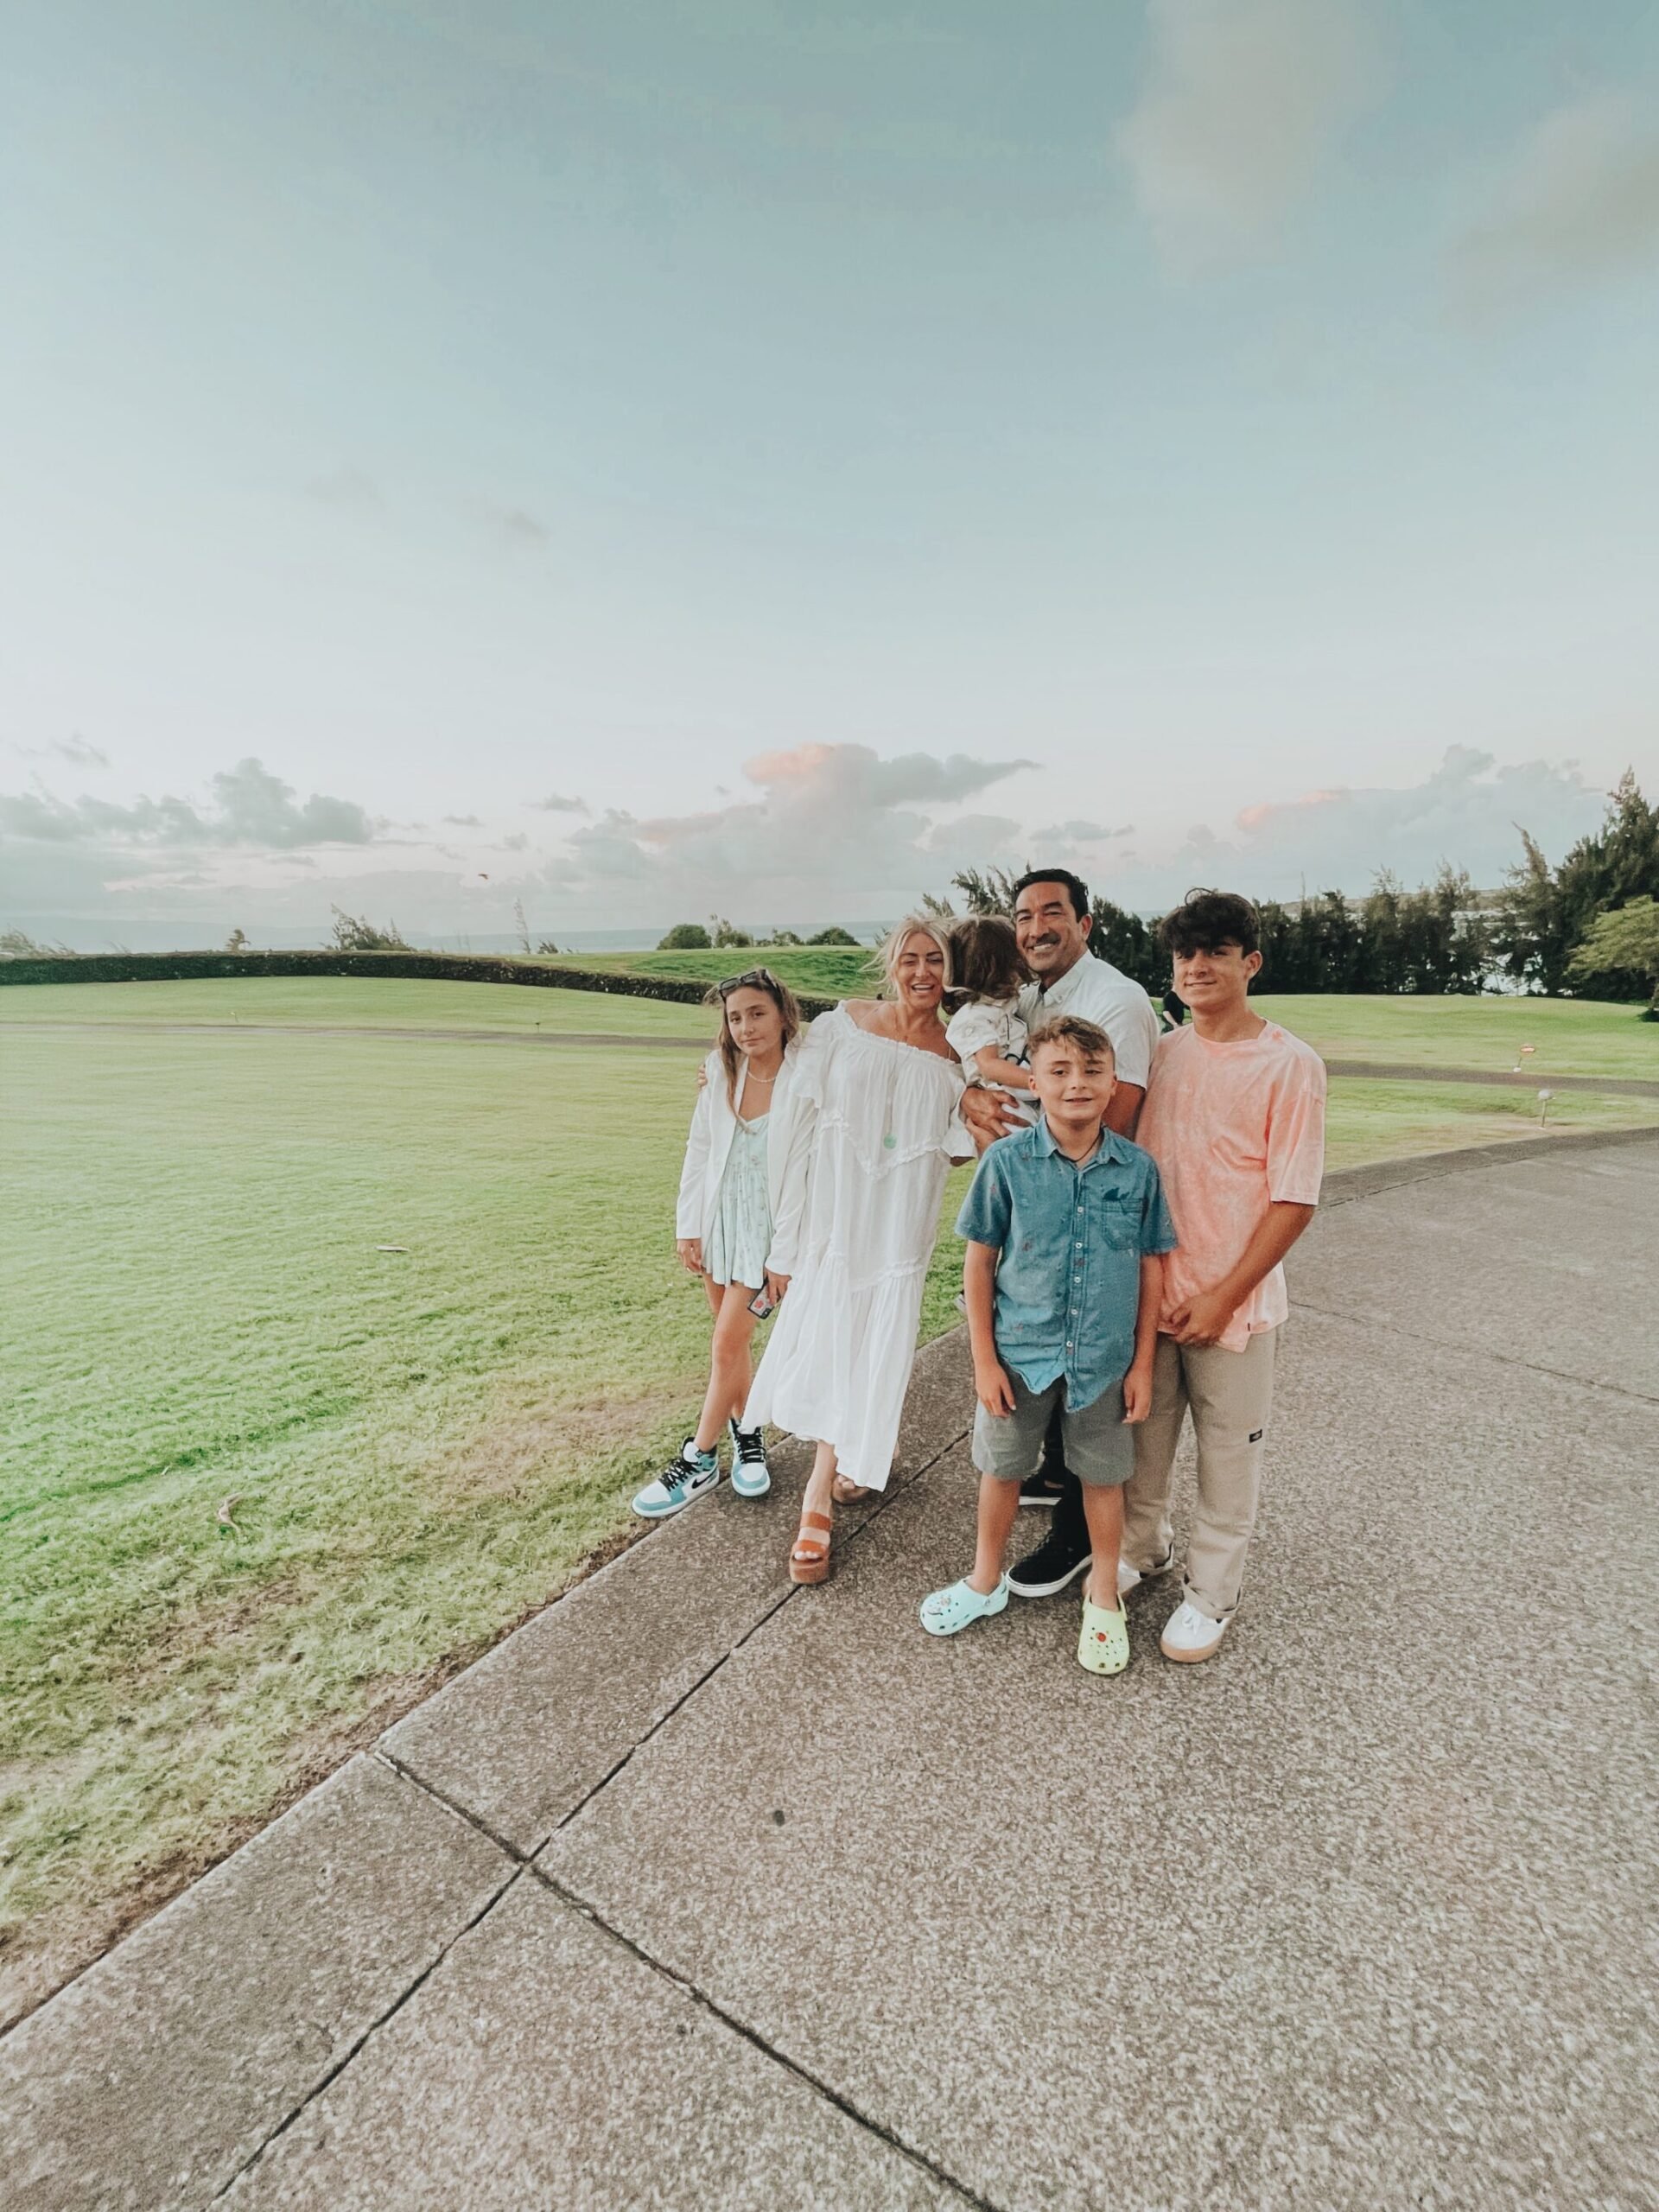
(1189, 1635)
(1130, 1578)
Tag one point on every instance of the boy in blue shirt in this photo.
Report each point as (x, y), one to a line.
(1067, 1227)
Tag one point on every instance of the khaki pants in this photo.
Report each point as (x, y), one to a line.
(1231, 1394)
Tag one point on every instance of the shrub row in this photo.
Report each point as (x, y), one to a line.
(446, 967)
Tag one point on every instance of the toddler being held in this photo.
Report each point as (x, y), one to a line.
(986, 1032)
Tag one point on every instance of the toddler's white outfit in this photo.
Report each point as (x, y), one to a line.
(996, 1022)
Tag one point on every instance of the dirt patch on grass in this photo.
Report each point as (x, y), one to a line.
(56, 1947)
(533, 1443)
(175, 1642)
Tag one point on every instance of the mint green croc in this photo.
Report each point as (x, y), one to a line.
(947, 1612)
(1103, 1646)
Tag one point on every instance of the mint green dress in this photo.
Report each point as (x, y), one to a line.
(737, 1246)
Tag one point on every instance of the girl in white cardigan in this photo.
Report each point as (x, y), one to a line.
(735, 1162)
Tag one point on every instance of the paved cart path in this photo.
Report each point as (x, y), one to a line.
(698, 1891)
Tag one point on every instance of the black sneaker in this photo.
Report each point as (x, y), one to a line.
(1061, 1557)
(1040, 1489)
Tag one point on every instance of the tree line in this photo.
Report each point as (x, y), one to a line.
(1588, 928)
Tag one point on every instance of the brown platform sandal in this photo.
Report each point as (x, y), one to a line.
(809, 1561)
(850, 1493)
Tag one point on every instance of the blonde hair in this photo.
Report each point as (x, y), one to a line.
(895, 941)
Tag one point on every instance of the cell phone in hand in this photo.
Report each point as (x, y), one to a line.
(762, 1304)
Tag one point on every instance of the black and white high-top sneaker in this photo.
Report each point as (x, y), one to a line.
(686, 1477)
(750, 1475)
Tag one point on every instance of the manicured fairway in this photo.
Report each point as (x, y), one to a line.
(422, 1443)
(358, 1002)
(829, 971)
(1372, 1119)
(1569, 1036)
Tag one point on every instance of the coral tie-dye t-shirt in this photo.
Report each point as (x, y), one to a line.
(1232, 1127)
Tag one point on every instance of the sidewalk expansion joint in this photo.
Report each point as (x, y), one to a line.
(451, 1805)
(709, 1673)
(1478, 1351)
(373, 2028)
(523, 1863)
(575, 1902)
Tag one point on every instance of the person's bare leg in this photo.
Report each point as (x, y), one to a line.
(999, 1502)
(809, 1558)
(731, 1371)
(1103, 1509)
(819, 1497)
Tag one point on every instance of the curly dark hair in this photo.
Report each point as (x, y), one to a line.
(1206, 920)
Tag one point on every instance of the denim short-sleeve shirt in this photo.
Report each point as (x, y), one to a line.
(1072, 1239)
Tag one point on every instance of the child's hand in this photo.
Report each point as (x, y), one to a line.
(1200, 1320)
(993, 1389)
(1137, 1394)
(691, 1251)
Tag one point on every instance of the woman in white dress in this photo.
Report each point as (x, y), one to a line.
(876, 1088)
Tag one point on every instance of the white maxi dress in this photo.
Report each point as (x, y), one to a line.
(877, 1129)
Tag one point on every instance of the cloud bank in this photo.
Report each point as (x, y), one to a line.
(1469, 811)
(822, 833)
(1243, 101)
(829, 824)
(1581, 202)
(251, 807)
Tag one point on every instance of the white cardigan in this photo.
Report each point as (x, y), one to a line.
(714, 1125)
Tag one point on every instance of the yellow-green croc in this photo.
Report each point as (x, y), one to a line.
(1103, 1646)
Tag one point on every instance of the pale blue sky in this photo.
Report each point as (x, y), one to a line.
(1210, 403)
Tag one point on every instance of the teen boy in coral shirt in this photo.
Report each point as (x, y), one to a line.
(1235, 1119)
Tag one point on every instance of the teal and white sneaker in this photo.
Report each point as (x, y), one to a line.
(686, 1477)
(750, 1475)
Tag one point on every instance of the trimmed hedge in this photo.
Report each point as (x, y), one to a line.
(444, 967)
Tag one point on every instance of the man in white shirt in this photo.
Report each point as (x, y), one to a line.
(1051, 920)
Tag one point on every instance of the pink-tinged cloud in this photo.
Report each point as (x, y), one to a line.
(1464, 813)
(1252, 818)
(828, 823)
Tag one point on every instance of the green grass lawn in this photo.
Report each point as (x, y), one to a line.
(1371, 1119)
(422, 1443)
(827, 971)
(1569, 1036)
(372, 1002)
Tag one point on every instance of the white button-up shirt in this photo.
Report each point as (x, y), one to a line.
(1097, 992)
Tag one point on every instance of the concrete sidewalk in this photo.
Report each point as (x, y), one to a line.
(698, 1891)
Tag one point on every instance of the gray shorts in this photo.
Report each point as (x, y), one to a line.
(1099, 1448)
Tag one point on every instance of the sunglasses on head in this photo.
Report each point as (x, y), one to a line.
(756, 979)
